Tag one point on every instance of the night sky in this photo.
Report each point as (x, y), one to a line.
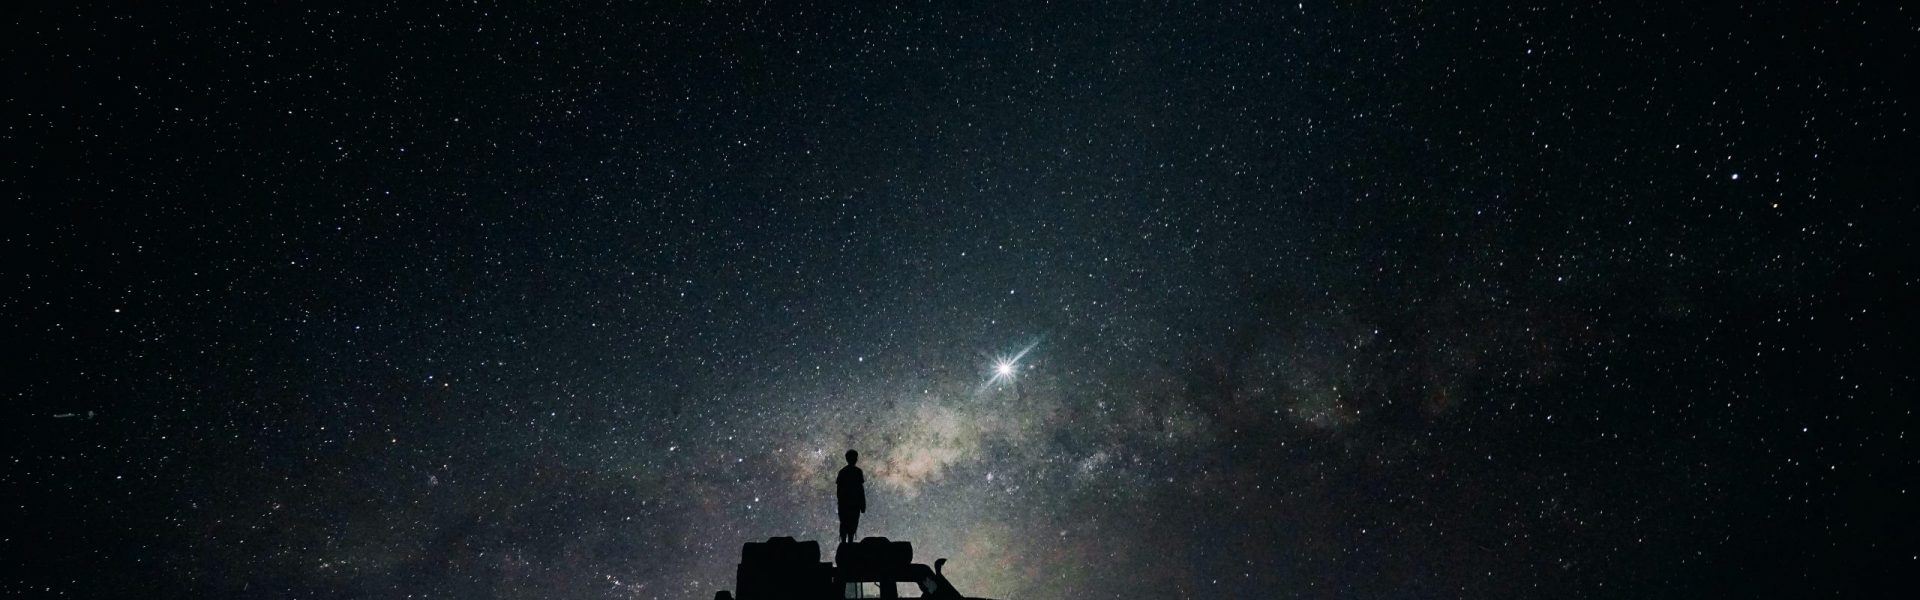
(1376, 300)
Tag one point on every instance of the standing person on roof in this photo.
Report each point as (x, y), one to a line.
(853, 496)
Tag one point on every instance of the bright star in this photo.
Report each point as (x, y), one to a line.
(1006, 366)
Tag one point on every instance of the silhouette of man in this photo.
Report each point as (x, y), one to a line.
(853, 496)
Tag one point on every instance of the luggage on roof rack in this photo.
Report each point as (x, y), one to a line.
(783, 568)
(873, 556)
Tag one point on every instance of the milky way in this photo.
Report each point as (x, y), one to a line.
(1237, 300)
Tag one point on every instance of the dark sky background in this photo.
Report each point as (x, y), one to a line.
(1373, 300)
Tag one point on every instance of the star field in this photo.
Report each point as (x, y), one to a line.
(1242, 300)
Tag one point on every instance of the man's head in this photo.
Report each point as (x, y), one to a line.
(853, 456)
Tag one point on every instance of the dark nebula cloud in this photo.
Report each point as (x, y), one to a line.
(1330, 301)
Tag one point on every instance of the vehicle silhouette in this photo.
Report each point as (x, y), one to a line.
(782, 569)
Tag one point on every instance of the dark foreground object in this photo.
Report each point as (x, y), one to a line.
(781, 568)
